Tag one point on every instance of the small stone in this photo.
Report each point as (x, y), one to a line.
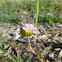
(44, 37)
(57, 49)
(60, 15)
(57, 34)
(59, 25)
(49, 40)
(60, 54)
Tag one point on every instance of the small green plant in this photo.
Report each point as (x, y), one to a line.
(43, 53)
(28, 59)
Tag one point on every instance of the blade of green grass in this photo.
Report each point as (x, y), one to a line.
(3, 50)
(18, 58)
(9, 55)
(37, 11)
(2, 41)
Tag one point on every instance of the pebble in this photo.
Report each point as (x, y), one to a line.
(57, 49)
(44, 37)
(60, 54)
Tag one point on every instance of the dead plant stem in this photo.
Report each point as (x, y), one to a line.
(34, 51)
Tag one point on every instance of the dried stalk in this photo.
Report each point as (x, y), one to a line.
(44, 30)
(30, 45)
(35, 39)
(34, 51)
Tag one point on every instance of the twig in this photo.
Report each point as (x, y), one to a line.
(44, 30)
(35, 39)
(33, 50)
(30, 45)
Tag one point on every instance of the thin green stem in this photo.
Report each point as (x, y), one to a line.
(37, 11)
